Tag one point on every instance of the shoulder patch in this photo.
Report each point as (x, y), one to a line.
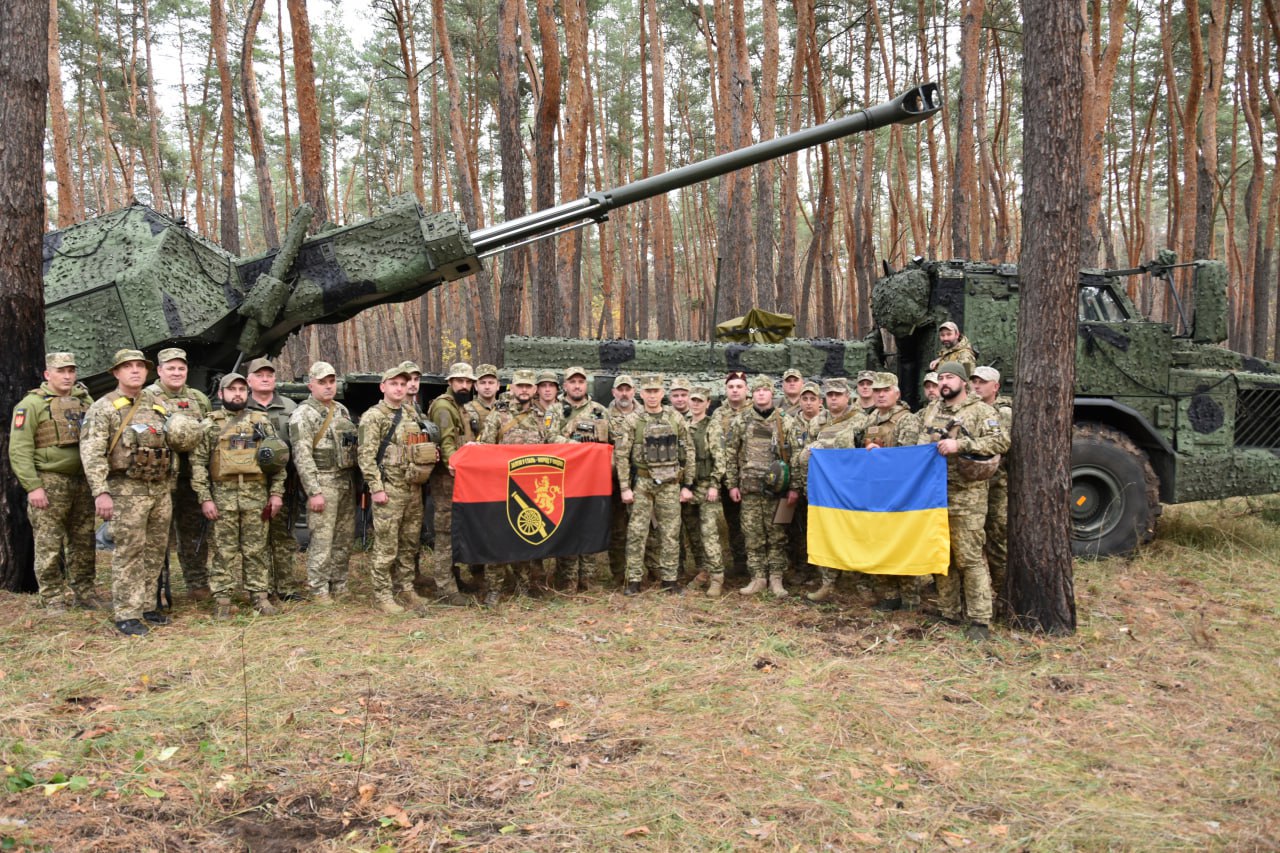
(121, 402)
(20, 418)
(993, 422)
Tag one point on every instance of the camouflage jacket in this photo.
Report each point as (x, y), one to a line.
(476, 413)
(375, 425)
(961, 351)
(642, 447)
(510, 426)
(617, 416)
(551, 415)
(752, 444)
(455, 428)
(315, 452)
(978, 431)
(708, 452)
(804, 431)
(242, 494)
(101, 426)
(895, 428)
(588, 422)
(40, 442)
(792, 409)
(1004, 406)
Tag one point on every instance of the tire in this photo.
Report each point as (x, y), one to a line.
(1115, 496)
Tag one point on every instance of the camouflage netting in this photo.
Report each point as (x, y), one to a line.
(900, 302)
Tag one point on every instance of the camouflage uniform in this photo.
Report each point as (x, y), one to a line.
(224, 470)
(895, 428)
(723, 417)
(997, 526)
(804, 431)
(323, 438)
(966, 589)
(133, 465)
(843, 430)
(397, 524)
(621, 512)
(283, 545)
(702, 517)
(753, 443)
(587, 422)
(455, 431)
(44, 452)
(189, 530)
(476, 413)
(961, 352)
(653, 454)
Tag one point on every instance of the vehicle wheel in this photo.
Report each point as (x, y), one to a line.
(1115, 497)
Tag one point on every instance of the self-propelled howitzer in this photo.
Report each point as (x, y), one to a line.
(136, 278)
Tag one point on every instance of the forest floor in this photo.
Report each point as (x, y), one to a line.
(662, 723)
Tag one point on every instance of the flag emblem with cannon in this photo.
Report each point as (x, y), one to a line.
(535, 496)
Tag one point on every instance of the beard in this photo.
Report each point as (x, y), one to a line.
(235, 405)
(948, 393)
(463, 397)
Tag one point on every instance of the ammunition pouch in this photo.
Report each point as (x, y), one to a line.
(234, 457)
(594, 431)
(659, 451)
(62, 429)
(147, 457)
(414, 460)
(340, 458)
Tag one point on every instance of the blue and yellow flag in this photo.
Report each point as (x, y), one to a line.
(881, 511)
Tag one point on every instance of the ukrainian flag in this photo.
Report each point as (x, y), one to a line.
(881, 511)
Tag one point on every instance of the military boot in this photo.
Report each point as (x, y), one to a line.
(262, 604)
(199, 593)
(223, 608)
(55, 607)
(90, 601)
(632, 588)
(823, 592)
(672, 587)
(492, 597)
(455, 599)
(715, 587)
(322, 599)
(756, 586)
(386, 604)
(409, 599)
(775, 585)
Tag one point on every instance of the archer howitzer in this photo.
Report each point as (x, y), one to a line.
(136, 278)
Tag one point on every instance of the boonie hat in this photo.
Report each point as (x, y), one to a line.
(169, 354)
(125, 355)
(989, 374)
(225, 382)
(321, 369)
(54, 360)
(955, 368)
(460, 370)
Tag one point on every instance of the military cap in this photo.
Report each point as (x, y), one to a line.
(884, 380)
(523, 377)
(762, 380)
(125, 355)
(699, 392)
(410, 368)
(955, 368)
(680, 383)
(321, 369)
(866, 376)
(260, 364)
(169, 354)
(393, 372)
(792, 372)
(836, 385)
(225, 382)
(575, 371)
(460, 370)
(931, 377)
(548, 376)
(949, 325)
(651, 381)
(990, 374)
(811, 388)
(484, 370)
(54, 360)
(624, 379)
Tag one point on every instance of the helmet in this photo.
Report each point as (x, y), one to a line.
(432, 431)
(977, 468)
(273, 454)
(777, 479)
(182, 432)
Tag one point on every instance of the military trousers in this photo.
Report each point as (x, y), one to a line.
(141, 514)
(658, 505)
(618, 521)
(282, 549)
(965, 591)
(190, 534)
(766, 542)
(737, 541)
(997, 529)
(701, 520)
(239, 552)
(441, 483)
(397, 530)
(64, 543)
(333, 532)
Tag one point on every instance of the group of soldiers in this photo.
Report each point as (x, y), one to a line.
(160, 461)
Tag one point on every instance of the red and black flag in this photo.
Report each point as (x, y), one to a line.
(528, 501)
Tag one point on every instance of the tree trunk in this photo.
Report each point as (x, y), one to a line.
(24, 87)
(766, 295)
(546, 304)
(1042, 590)
(1099, 68)
(660, 207)
(964, 187)
(230, 225)
(573, 164)
(253, 124)
(304, 72)
(69, 209)
(514, 262)
(291, 179)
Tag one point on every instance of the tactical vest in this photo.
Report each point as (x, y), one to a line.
(235, 455)
(521, 427)
(705, 462)
(342, 455)
(138, 446)
(884, 433)
(590, 425)
(62, 429)
(411, 452)
(760, 447)
(659, 448)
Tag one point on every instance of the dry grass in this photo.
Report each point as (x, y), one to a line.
(656, 723)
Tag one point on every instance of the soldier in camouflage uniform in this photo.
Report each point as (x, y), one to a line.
(930, 385)
(396, 457)
(703, 514)
(792, 388)
(518, 422)
(962, 424)
(189, 530)
(653, 458)
(866, 401)
(237, 497)
(455, 431)
(44, 452)
(893, 425)
(283, 546)
(678, 396)
(547, 400)
(623, 405)
(758, 438)
(953, 346)
(477, 412)
(129, 468)
(806, 423)
(323, 439)
(582, 420)
(736, 401)
(986, 385)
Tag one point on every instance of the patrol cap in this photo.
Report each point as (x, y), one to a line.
(699, 392)
(410, 368)
(762, 380)
(680, 383)
(955, 368)
(624, 379)
(792, 373)
(126, 355)
(54, 360)
(949, 325)
(989, 374)
(260, 364)
(651, 382)
(811, 388)
(931, 377)
(548, 376)
(321, 369)
(836, 385)
(523, 377)
(393, 372)
(225, 382)
(866, 376)
(169, 354)
(575, 371)
(484, 370)
(883, 381)
(460, 370)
